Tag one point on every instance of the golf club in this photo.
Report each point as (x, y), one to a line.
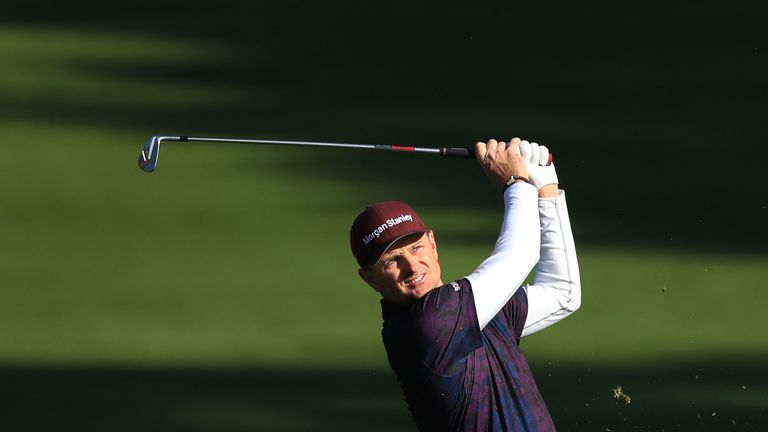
(151, 150)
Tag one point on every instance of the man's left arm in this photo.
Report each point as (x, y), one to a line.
(556, 289)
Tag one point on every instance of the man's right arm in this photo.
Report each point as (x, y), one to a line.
(517, 248)
(516, 252)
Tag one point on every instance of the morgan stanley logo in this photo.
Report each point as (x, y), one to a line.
(386, 225)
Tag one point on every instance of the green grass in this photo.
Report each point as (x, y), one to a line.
(46, 65)
(639, 306)
(223, 263)
(208, 263)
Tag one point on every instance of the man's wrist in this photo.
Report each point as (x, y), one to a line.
(551, 190)
(517, 179)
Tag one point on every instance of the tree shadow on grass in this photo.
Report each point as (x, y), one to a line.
(638, 120)
(712, 395)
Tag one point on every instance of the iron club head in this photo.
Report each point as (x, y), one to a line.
(149, 154)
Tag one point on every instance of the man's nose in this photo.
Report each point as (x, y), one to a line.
(408, 264)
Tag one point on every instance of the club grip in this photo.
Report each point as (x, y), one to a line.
(458, 152)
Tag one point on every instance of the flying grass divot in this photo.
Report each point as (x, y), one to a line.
(618, 393)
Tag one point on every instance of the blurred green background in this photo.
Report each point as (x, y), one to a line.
(218, 293)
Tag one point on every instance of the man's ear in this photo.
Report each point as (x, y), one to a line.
(432, 242)
(367, 276)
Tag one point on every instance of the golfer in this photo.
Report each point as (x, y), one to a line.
(455, 347)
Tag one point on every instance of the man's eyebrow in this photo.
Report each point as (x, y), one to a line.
(389, 255)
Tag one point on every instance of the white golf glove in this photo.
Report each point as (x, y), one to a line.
(541, 170)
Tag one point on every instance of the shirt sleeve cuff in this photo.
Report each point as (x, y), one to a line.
(522, 190)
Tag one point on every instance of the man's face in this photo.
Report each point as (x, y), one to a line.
(407, 270)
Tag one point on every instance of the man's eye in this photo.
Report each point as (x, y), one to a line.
(389, 263)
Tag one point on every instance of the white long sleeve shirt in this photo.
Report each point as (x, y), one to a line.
(534, 232)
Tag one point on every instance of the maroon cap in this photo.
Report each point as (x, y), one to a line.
(380, 225)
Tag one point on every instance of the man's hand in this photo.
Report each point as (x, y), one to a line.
(539, 162)
(500, 161)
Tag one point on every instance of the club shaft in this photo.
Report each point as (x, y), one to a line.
(150, 153)
(314, 144)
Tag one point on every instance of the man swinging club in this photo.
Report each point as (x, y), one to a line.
(455, 347)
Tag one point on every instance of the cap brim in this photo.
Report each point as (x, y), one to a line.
(380, 251)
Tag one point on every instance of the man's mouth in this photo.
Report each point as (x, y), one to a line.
(415, 280)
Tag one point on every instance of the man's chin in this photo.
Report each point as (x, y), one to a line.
(422, 289)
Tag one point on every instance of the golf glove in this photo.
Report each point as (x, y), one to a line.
(541, 170)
